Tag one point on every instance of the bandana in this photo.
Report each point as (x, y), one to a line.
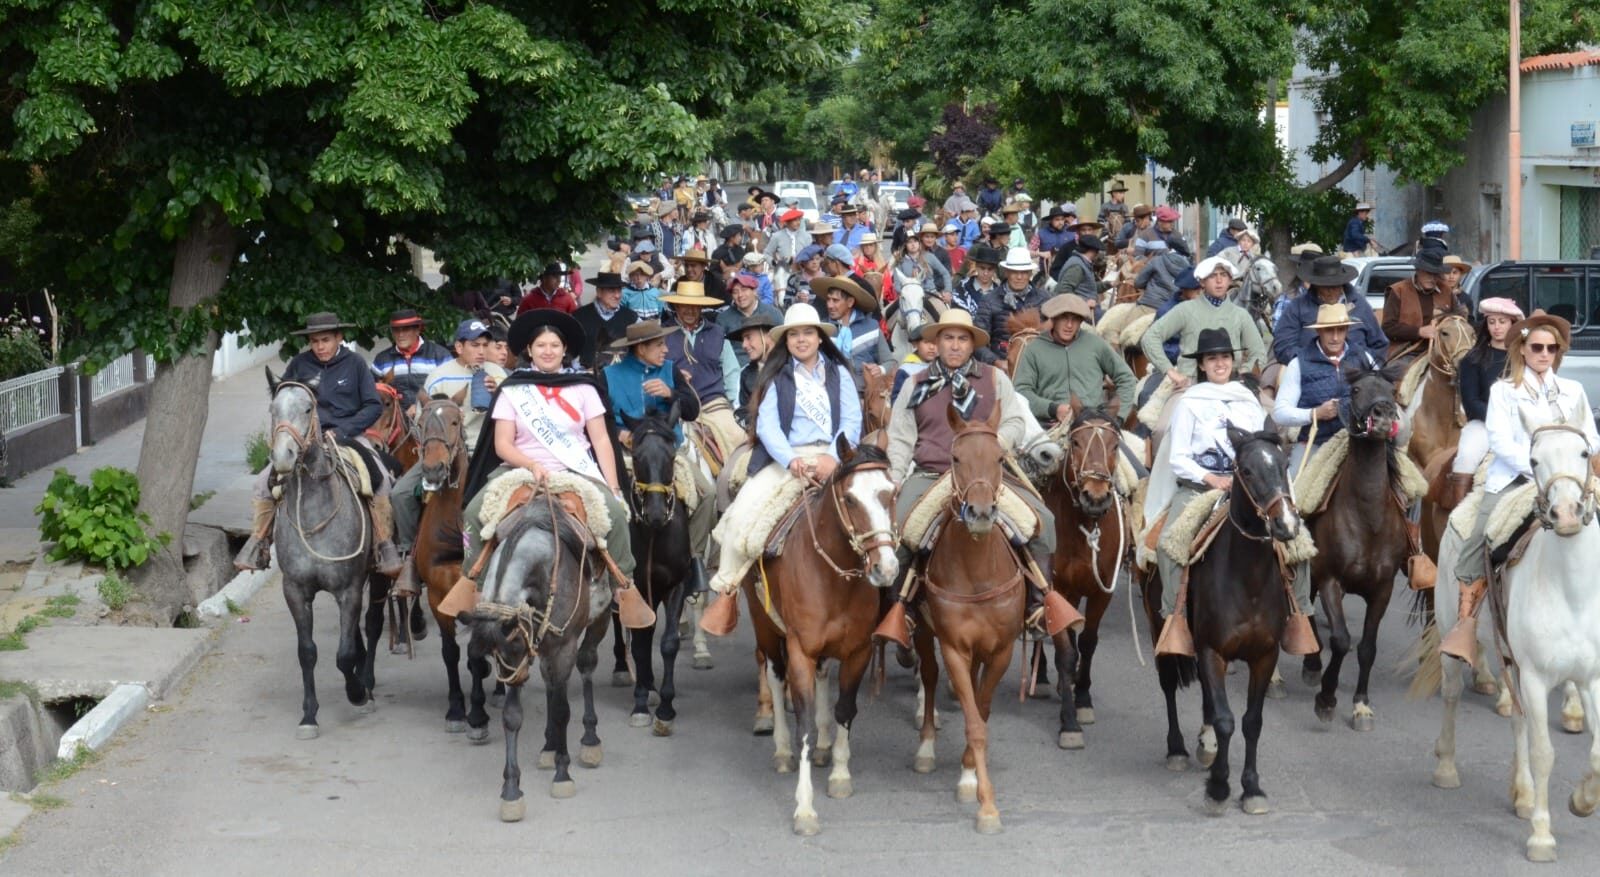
(962, 395)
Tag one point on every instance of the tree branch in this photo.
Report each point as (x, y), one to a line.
(1332, 178)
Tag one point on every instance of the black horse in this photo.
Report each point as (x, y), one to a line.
(661, 550)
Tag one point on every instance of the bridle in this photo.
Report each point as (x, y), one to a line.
(330, 453)
(643, 489)
(959, 487)
(1264, 513)
(1364, 426)
(1445, 360)
(1542, 497)
(531, 624)
(1103, 436)
(302, 441)
(435, 431)
(399, 425)
(862, 544)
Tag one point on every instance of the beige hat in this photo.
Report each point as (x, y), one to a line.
(1332, 316)
(1302, 249)
(868, 238)
(1456, 263)
(1068, 303)
(928, 228)
(865, 300)
(820, 228)
(690, 292)
(956, 318)
(799, 316)
(639, 333)
(639, 265)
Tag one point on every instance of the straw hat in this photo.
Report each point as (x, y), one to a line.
(956, 318)
(1332, 316)
(691, 293)
(639, 333)
(799, 316)
(865, 300)
(1456, 263)
(638, 265)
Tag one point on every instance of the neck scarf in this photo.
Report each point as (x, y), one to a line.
(962, 394)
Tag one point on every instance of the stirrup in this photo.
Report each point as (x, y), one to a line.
(406, 585)
(894, 627)
(722, 616)
(1175, 638)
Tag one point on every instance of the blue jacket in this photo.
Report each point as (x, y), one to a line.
(1355, 236)
(1320, 381)
(1223, 241)
(410, 372)
(625, 386)
(347, 396)
(1291, 334)
(1051, 240)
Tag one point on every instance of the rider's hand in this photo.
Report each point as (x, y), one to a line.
(1328, 410)
(799, 468)
(658, 388)
(871, 369)
(823, 466)
(505, 301)
(1063, 413)
(490, 382)
(1178, 378)
(538, 471)
(1427, 332)
(1219, 482)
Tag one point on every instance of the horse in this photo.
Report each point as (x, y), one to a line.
(660, 531)
(1238, 609)
(1434, 408)
(818, 600)
(910, 312)
(1092, 535)
(546, 596)
(1361, 534)
(876, 403)
(972, 601)
(394, 431)
(324, 537)
(1025, 326)
(1550, 617)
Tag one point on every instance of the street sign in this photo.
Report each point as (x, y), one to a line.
(1583, 135)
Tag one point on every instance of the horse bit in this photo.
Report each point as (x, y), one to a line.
(1585, 489)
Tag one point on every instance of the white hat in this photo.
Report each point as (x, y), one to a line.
(797, 316)
(1019, 259)
(754, 257)
(951, 228)
(1207, 267)
(868, 238)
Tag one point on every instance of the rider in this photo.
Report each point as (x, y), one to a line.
(1329, 281)
(703, 351)
(695, 262)
(549, 292)
(1479, 370)
(1017, 294)
(1229, 237)
(1211, 310)
(852, 309)
(980, 281)
(743, 307)
(639, 295)
(1356, 241)
(757, 344)
(1142, 217)
(411, 357)
(347, 403)
(924, 349)
(1077, 275)
(1410, 306)
(1312, 386)
(1069, 362)
(603, 319)
(1531, 393)
(1201, 459)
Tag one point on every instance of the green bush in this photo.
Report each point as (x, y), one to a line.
(20, 348)
(257, 451)
(98, 522)
(114, 592)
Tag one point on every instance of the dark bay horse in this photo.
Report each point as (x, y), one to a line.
(546, 598)
(1237, 607)
(1092, 535)
(972, 600)
(1361, 540)
(323, 533)
(660, 530)
(818, 600)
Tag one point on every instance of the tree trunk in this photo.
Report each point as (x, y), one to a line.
(178, 404)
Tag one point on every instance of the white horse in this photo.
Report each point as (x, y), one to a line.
(1259, 291)
(909, 316)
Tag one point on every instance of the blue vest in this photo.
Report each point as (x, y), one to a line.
(783, 385)
(702, 360)
(1320, 381)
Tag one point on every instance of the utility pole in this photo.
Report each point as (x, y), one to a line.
(1514, 145)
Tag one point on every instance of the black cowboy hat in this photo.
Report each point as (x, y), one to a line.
(522, 330)
(1212, 341)
(1055, 212)
(984, 254)
(554, 269)
(1090, 242)
(731, 230)
(406, 318)
(606, 280)
(757, 320)
(1327, 271)
(908, 214)
(1430, 260)
(998, 228)
(323, 321)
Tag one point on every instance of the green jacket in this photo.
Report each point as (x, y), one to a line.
(1187, 319)
(1049, 374)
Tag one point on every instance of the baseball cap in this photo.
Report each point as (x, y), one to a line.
(470, 330)
(838, 252)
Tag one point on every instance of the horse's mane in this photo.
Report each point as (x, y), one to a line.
(864, 454)
(1096, 414)
(1025, 320)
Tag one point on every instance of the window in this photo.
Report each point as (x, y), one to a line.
(1580, 222)
(1506, 282)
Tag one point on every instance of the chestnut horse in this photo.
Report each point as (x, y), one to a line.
(1092, 535)
(394, 432)
(972, 600)
(875, 401)
(1435, 409)
(1024, 326)
(818, 600)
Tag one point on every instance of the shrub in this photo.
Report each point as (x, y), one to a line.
(98, 522)
(20, 349)
(257, 451)
(114, 592)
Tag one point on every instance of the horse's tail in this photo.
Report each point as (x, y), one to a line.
(1421, 614)
(1185, 668)
(1425, 664)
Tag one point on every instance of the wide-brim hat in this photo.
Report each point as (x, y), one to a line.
(695, 255)
(1118, 186)
(758, 320)
(999, 228)
(1521, 330)
(690, 293)
(1211, 341)
(406, 318)
(1010, 207)
(640, 265)
(865, 300)
(1456, 263)
(867, 238)
(1429, 261)
(611, 279)
(323, 321)
(1332, 316)
(522, 330)
(1141, 210)
(1327, 271)
(1019, 259)
(927, 228)
(1086, 225)
(731, 230)
(799, 316)
(639, 333)
(984, 254)
(1362, 206)
(956, 318)
(1055, 212)
(819, 228)
(1068, 303)
(849, 210)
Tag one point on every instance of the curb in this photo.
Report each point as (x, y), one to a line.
(239, 589)
(96, 727)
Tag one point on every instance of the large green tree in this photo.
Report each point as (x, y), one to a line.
(191, 166)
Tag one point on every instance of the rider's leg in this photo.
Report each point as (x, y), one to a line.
(256, 553)
(407, 514)
(1472, 447)
(1472, 566)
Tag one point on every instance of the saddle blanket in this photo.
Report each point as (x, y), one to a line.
(1186, 539)
(1316, 480)
(497, 496)
(773, 492)
(360, 467)
(931, 509)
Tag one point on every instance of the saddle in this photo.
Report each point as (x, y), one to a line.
(518, 501)
(705, 441)
(362, 463)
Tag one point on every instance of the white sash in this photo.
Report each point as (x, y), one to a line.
(812, 400)
(538, 417)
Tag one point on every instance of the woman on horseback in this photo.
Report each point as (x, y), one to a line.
(917, 265)
(1480, 369)
(1530, 393)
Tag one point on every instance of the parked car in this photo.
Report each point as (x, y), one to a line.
(1377, 274)
(805, 203)
(786, 189)
(1568, 289)
(896, 196)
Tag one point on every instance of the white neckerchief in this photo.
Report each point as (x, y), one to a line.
(811, 394)
(540, 419)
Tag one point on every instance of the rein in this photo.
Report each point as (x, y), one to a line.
(329, 451)
(1586, 493)
(958, 489)
(862, 544)
(532, 625)
(643, 489)
(1104, 437)
(454, 446)
(1263, 513)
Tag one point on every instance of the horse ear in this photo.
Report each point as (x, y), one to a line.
(422, 399)
(1075, 404)
(957, 425)
(1394, 372)
(272, 381)
(841, 446)
(388, 378)
(460, 397)
(1237, 437)
(881, 439)
(674, 415)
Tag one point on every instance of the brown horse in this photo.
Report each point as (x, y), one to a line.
(1024, 326)
(973, 597)
(1435, 411)
(818, 600)
(394, 431)
(1092, 534)
(1361, 539)
(875, 402)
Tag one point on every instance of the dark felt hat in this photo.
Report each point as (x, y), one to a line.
(606, 280)
(1212, 341)
(323, 321)
(404, 318)
(525, 328)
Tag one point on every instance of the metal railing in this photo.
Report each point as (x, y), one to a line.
(117, 375)
(30, 398)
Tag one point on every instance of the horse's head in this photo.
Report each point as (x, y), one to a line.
(976, 466)
(912, 306)
(655, 447)
(1261, 471)
(876, 402)
(1561, 471)
(1092, 444)
(294, 421)
(1453, 339)
(863, 496)
(1374, 413)
(443, 445)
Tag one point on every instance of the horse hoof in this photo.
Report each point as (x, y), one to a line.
(807, 825)
(988, 824)
(923, 764)
(497, 701)
(1577, 806)
(1489, 687)
(1324, 713)
(762, 727)
(306, 732)
(368, 708)
(639, 720)
(1446, 778)
(661, 728)
(513, 811)
(1085, 715)
(1215, 807)
(654, 699)
(1541, 850)
(1503, 710)
(1177, 763)
(621, 679)
(1070, 740)
(821, 757)
(547, 760)
(905, 657)
(478, 736)
(591, 756)
(703, 662)
(967, 793)
(454, 726)
(563, 789)
(1363, 721)
(1572, 724)
(1312, 678)
(1255, 805)
(840, 787)
(783, 763)
(1276, 690)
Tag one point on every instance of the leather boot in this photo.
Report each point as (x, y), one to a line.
(1460, 485)
(407, 584)
(1462, 640)
(385, 559)
(257, 551)
(722, 616)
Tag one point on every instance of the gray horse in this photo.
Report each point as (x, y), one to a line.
(545, 598)
(323, 535)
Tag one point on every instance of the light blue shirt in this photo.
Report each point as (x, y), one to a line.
(644, 302)
(803, 430)
(852, 238)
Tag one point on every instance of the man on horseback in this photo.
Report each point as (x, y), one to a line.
(1328, 281)
(1210, 311)
(1017, 294)
(411, 357)
(347, 403)
(1141, 221)
(1312, 391)
(1411, 305)
(852, 309)
(1078, 276)
(971, 291)
(1070, 363)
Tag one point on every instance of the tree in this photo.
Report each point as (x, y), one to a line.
(962, 139)
(194, 166)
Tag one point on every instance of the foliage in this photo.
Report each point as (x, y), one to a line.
(257, 451)
(233, 607)
(114, 592)
(962, 138)
(10, 689)
(98, 522)
(61, 606)
(63, 768)
(201, 499)
(21, 350)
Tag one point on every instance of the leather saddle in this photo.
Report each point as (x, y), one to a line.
(569, 502)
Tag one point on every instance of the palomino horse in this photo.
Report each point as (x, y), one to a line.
(1434, 410)
(323, 533)
(818, 600)
(1238, 608)
(546, 597)
(1550, 614)
(972, 601)
(1092, 535)
(1362, 543)
(1025, 327)
(660, 531)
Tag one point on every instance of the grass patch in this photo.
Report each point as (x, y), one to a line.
(61, 606)
(257, 451)
(63, 768)
(45, 802)
(9, 689)
(114, 592)
(11, 839)
(12, 642)
(233, 608)
(200, 499)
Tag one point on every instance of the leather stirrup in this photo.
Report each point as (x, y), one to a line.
(463, 596)
(1060, 614)
(722, 616)
(1299, 637)
(634, 613)
(893, 626)
(1175, 637)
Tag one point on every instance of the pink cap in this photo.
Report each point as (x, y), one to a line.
(1503, 306)
(1166, 214)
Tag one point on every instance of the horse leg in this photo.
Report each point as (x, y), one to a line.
(1338, 646)
(763, 723)
(1087, 641)
(822, 753)
(477, 716)
(591, 753)
(620, 677)
(299, 601)
(974, 784)
(852, 669)
(1168, 671)
(1483, 679)
(377, 587)
(512, 805)
(644, 675)
(802, 682)
(1361, 717)
(928, 683)
(558, 714)
(702, 643)
(1214, 680)
(1521, 772)
(455, 714)
(1451, 682)
(1071, 734)
(1535, 692)
(1251, 799)
(994, 669)
(352, 654)
(1587, 795)
(1205, 746)
(670, 642)
(1571, 710)
(1311, 665)
(782, 741)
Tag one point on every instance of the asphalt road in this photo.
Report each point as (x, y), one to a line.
(215, 781)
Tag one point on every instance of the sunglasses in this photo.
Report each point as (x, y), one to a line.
(1536, 347)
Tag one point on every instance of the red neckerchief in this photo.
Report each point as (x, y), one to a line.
(553, 395)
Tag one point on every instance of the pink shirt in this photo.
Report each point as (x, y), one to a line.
(582, 398)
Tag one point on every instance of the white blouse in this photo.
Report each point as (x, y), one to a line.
(1555, 399)
(1199, 429)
